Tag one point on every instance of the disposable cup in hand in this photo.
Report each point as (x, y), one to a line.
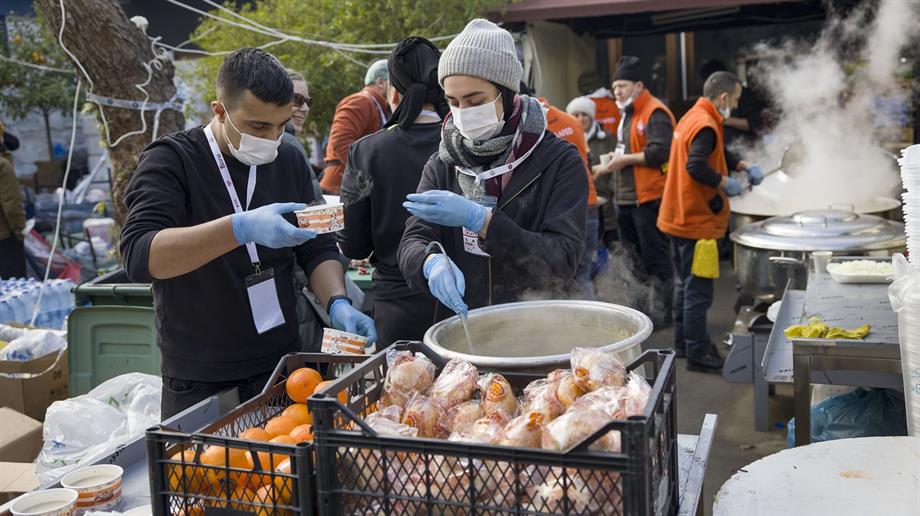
(820, 260)
(325, 218)
(335, 341)
(605, 159)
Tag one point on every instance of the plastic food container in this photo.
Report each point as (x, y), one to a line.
(325, 218)
(51, 502)
(335, 341)
(98, 487)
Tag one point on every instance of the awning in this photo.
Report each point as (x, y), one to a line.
(532, 10)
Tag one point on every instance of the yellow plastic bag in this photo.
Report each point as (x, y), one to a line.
(705, 259)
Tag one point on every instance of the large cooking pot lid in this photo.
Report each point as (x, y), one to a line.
(822, 230)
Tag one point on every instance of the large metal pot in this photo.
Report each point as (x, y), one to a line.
(537, 336)
(750, 208)
(770, 253)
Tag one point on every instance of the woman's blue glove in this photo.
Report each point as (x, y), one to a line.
(733, 188)
(447, 209)
(445, 282)
(345, 317)
(755, 174)
(266, 226)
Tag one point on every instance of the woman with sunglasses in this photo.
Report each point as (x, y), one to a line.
(293, 129)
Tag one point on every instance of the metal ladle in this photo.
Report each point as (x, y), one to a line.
(784, 162)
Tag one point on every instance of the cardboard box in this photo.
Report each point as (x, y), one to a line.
(20, 436)
(16, 479)
(32, 396)
(50, 174)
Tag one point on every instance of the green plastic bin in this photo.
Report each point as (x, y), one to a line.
(114, 334)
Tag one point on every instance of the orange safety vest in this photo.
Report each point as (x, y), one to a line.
(567, 127)
(649, 180)
(685, 210)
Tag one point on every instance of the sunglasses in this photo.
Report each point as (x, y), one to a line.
(300, 100)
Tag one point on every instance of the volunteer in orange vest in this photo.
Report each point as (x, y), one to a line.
(639, 165)
(695, 209)
(568, 128)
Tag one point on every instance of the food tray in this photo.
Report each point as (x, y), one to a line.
(840, 277)
(184, 487)
(357, 468)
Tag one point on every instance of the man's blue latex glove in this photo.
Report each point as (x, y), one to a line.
(447, 209)
(345, 317)
(445, 282)
(266, 226)
(755, 174)
(733, 187)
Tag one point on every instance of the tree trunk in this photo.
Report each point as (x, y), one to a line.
(113, 51)
(47, 117)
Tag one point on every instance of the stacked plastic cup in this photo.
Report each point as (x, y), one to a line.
(904, 292)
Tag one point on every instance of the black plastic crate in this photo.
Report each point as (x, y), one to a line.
(185, 486)
(360, 472)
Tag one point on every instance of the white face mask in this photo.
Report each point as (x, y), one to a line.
(725, 112)
(627, 102)
(252, 150)
(478, 122)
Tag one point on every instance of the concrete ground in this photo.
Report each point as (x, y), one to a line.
(736, 443)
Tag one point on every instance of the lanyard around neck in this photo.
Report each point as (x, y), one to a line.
(383, 116)
(231, 190)
(502, 169)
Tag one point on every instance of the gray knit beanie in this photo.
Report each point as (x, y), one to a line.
(482, 50)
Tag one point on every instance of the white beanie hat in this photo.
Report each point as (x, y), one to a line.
(483, 50)
(582, 105)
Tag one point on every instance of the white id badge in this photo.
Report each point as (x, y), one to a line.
(263, 300)
(620, 149)
(470, 238)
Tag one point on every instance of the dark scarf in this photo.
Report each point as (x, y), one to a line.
(522, 130)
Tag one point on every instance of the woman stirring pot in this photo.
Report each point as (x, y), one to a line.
(506, 198)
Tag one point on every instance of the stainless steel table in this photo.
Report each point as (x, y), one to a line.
(693, 453)
(874, 362)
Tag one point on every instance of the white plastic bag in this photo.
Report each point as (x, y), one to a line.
(27, 344)
(84, 429)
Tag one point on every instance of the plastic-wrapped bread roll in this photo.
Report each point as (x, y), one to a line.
(406, 374)
(455, 384)
(567, 387)
(497, 395)
(595, 368)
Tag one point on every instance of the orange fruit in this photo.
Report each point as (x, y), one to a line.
(322, 386)
(255, 434)
(267, 461)
(187, 478)
(302, 433)
(220, 458)
(298, 412)
(301, 384)
(281, 425)
(268, 497)
(284, 487)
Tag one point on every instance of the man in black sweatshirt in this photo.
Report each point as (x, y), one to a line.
(382, 169)
(209, 224)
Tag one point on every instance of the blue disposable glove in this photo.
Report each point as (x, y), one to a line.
(733, 188)
(445, 282)
(447, 209)
(755, 174)
(345, 317)
(266, 226)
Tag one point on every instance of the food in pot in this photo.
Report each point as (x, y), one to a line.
(497, 395)
(540, 396)
(595, 368)
(456, 384)
(406, 374)
(525, 431)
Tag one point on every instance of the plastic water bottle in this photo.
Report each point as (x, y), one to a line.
(6, 311)
(18, 306)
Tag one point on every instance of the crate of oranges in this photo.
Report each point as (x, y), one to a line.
(257, 459)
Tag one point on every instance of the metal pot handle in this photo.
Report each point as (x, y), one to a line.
(787, 261)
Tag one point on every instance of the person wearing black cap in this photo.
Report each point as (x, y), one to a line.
(382, 169)
(637, 170)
